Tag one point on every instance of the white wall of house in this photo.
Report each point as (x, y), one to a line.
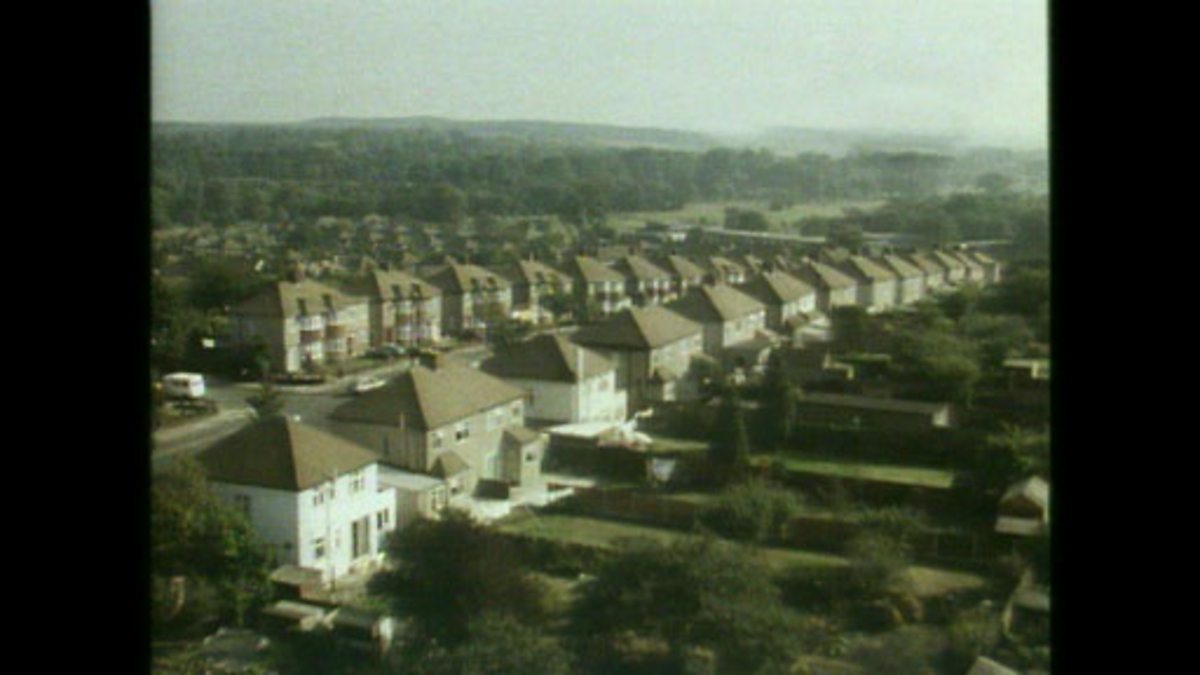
(909, 290)
(743, 328)
(327, 512)
(593, 400)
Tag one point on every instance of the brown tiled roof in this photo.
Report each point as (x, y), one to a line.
(534, 272)
(429, 399)
(545, 357)
(392, 284)
(777, 288)
(715, 304)
(637, 328)
(822, 275)
(680, 266)
(592, 270)
(1033, 488)
(723, 266)
(458, 278)
(925, 263)
(521, 436)
(287, 298)
(864, 270)
(900, 267)
(282, 454)
(946, 260)
(639, 269)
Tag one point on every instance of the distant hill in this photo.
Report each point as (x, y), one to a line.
(535, 130)
(783, 141)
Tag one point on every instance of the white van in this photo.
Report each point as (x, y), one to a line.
(184, 385)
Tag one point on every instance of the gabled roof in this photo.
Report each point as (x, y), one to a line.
(864, 270)
(723, 266)
(966, 260)
(980, 257)
(777, 288)
(1033, 488)
(534, 272)
(429, 399)
(545, 357)
(393, 284)
(639, 269)
(946, 260)
(519, 437)
(288, 298)
(637, 328)
(281, 454)
(833, 254)
(681, 267)
(900, 267)
(715, 304)
(592, 270)
(985, 666)
(925, 263)
(449, 464)
(823, 276)
(459, 278)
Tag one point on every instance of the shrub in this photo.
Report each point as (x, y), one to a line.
(752, 511)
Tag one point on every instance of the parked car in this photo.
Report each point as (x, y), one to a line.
(364, 384)
(189, 386)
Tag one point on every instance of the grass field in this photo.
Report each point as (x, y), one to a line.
(604, 533)
(886, 473)
(713, 213)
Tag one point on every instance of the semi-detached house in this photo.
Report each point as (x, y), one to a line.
(403, 309)
(595, 281)
(652, 348)
(313, 497)
(789, 301)
(449, 421)
(565, 382)
(728, 316)
(303, 323)
(472, 297)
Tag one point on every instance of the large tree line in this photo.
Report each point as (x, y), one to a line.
(229, 174)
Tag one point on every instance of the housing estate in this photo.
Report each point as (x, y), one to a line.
(722, 270)
(450, 421)
(312, 496)
(303, 324)
(652, 348)
(684, 273)
(565, 383)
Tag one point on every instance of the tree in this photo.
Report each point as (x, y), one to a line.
(951, 377)
(449, 572)
(849, 324)
(878, 564)
(780, 401)
(267, 400)
(693, 593)
(217, 284)
(1009, 456)
(729, 450)
(497, 644)
(197, 537)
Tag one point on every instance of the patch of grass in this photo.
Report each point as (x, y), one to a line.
(885, 473)
(603, 534)
(667, 444)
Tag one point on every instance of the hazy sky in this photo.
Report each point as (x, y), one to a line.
(976, 68)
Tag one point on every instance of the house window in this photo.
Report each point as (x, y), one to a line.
(437, 440)
(462, 431)
(357, 483)
(382, 519)
(516, 410)
(319, 548)
(319, 498)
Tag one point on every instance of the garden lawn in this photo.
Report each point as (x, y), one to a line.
(885, 473)
(603, 534)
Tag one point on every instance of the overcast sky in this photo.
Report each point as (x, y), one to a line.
(975, 68)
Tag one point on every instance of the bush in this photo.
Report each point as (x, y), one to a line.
(972, 634)
(752, 511)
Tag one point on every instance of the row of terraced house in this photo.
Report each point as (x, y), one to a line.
(304, 322)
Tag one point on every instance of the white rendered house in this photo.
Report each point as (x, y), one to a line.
(565, 383)
(314, 497)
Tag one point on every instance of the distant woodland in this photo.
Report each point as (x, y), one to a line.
(227, 174)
